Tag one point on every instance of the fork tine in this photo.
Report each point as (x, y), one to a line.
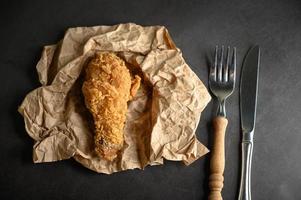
(214, 67)
(232, 67)
(226, 67)
(220, 67)
(215, 56)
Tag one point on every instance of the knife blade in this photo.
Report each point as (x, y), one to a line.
(248, 89)
(248, 104)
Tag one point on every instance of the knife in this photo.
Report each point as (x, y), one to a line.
(248, 104)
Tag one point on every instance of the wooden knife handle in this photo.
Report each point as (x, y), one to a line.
(217, 162)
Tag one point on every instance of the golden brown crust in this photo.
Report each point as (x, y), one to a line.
(107, 88)
(135, 85)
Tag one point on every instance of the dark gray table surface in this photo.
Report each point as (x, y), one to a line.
(196, 27)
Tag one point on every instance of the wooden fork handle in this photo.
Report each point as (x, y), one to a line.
(217, 162)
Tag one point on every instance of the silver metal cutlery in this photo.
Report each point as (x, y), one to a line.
(222, 85)
(248, 104)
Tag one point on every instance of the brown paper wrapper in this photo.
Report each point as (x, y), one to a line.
(161, 119)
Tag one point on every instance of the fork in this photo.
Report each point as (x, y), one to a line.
(221, 83)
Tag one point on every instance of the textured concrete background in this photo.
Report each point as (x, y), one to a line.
(196, 27)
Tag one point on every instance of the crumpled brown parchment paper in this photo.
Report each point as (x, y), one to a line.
(161, 120)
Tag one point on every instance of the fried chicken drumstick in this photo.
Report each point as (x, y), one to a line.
(107, 88)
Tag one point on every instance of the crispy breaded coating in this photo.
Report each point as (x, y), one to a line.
(107, 89)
